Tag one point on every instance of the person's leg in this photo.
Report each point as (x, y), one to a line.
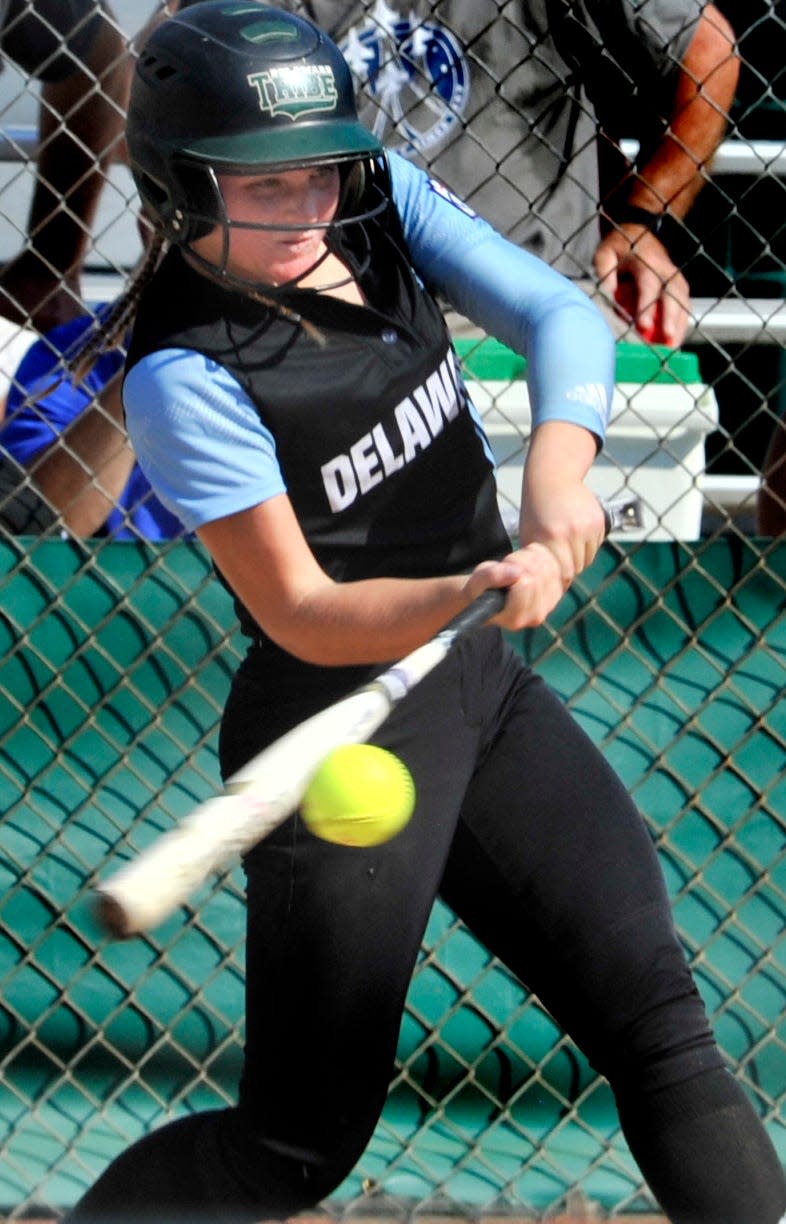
(77, 51)
(333, 936)
(553, 869)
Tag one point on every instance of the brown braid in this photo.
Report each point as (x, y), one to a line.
(111, 332)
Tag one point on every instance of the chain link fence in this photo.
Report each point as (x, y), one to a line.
(117, 653)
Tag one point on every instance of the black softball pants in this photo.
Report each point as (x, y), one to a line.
(528, 835)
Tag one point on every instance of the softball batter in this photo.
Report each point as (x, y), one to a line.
(293, 396)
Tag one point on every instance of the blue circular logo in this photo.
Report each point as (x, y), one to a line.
(414, 80)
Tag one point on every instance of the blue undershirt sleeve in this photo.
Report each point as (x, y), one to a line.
(198, 438)
(513, 296)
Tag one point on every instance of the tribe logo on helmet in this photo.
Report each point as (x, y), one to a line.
(295, 91)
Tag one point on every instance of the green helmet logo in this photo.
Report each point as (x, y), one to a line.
(295, 90)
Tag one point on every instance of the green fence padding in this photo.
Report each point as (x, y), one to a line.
(116, 660)
(635, 363)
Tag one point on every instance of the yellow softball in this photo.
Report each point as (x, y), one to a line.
(360, 795)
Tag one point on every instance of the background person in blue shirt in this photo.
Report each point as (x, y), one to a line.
(71, 439)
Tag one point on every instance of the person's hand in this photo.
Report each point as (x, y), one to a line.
(34, 296)
(533, 585)
(637, 273)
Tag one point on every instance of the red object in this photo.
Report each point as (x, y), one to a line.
(625, 297)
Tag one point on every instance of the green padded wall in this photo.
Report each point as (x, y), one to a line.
(115, 663)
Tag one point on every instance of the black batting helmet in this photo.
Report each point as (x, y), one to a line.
(226, 86)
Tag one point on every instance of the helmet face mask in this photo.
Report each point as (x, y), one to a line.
(239, 88)
(364, 193)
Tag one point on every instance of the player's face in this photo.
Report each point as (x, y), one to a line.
(300, 198)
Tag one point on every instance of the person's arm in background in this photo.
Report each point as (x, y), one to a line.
(70, 438)
(80, 124)
(83, 474)
(632, 263)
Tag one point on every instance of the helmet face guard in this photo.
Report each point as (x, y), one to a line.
(365, 193)
(226, 87)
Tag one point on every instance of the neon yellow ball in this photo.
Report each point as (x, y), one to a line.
(360, 795)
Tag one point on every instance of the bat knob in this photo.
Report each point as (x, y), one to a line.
(111, 916)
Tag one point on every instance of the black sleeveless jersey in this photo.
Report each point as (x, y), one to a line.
(382, 458)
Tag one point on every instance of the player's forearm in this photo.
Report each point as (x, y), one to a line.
(557, 509)
(266, 561)
(370, 621)
(559, 457)
(675, 173)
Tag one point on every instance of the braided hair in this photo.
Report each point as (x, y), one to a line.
(111, 330)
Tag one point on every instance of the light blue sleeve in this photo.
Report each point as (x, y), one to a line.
(198, 437)
(513, 296)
